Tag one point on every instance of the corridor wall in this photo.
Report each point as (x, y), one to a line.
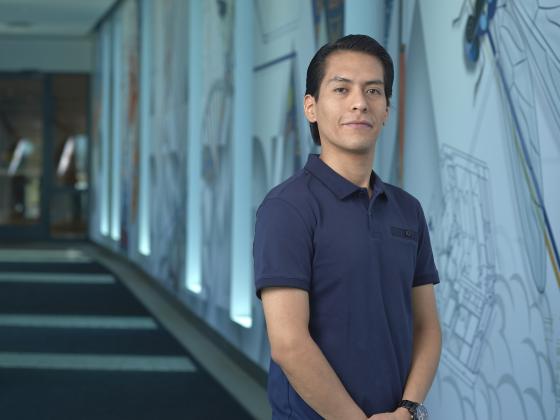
(472, 133)
(482, 153)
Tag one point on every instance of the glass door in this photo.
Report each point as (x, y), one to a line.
(43, 156)
(22, 134)
(69, 171)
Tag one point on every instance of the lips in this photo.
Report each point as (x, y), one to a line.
(358, 124)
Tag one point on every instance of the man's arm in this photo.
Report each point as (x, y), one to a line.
(426, 348)
(287, 318)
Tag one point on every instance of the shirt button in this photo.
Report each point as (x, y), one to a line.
(407, 233)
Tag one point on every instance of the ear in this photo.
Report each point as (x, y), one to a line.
(386, 116)
(309, 108)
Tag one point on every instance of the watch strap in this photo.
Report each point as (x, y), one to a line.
(411, 406)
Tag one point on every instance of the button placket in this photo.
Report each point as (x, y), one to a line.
(363, 197)
(373, 232)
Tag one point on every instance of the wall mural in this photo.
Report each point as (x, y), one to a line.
(481, 152)
(216, 151)
(328, 19)
(467, 260)
(168, 110)
(491, 222)
(129, 112)
(132, 50)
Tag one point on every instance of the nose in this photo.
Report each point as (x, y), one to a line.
(358, 101)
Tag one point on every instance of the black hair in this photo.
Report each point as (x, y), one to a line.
(356, 43)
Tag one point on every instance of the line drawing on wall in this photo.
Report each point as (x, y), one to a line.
(216, 153)
(521, 37)
(465, 252)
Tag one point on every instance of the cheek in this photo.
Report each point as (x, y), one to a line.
(328, 115)
(381, 115)
(328, 124)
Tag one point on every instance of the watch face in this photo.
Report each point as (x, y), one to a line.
(421, 413)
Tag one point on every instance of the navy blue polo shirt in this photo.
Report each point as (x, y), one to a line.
(358, 259)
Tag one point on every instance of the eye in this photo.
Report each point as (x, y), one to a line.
(374, 91)
(340, 90)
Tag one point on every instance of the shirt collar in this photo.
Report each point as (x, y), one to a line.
(335, 182)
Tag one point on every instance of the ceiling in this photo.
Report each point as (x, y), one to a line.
(51, 17)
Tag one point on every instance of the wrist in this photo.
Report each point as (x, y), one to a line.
(403, 414)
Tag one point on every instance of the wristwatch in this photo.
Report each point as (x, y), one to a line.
(416, 410)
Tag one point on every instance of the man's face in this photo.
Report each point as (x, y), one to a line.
(352, 107)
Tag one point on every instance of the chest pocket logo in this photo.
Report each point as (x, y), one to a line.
(402, 252)
(404, 233)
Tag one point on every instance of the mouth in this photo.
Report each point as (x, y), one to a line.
(358, 124)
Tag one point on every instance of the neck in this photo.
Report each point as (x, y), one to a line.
(356, 168)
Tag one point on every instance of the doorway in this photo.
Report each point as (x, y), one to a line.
(43, 156)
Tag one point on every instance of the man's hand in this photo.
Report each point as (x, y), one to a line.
(399, 414)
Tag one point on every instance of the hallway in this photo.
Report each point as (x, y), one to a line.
(83, 336)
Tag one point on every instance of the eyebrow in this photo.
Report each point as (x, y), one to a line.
(345, 80)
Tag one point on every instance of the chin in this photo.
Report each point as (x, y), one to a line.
(358, 149)
(352, 145)
(359, 145)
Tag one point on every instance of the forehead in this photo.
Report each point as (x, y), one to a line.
(353, 65)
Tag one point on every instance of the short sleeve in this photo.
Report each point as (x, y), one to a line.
(425, 271)
(282, 247)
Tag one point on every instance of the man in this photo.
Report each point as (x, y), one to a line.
(343, 261)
